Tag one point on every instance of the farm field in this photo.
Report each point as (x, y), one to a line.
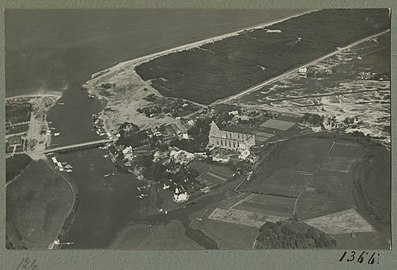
(212, 174)
(337, 185)
(358, 85)
(37, 207)
(268, 204)
(223, 68)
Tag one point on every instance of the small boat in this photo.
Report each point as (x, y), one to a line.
(69, 170)
(106, 156)
(57, 134)
(107, 175)
(140, 197)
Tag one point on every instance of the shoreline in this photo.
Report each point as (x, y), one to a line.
(71, 215)
(188, 46)
(117, 73)
(57, 94)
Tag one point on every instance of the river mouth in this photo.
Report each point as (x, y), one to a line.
(106, 203)
(58, 50)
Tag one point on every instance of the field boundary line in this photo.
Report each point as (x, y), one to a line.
(308, 183)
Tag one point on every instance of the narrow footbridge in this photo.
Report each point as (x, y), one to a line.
(78, 146)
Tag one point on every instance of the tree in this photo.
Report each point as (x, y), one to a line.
(154, 172)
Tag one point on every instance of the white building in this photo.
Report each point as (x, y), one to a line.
(128, 153)
(232, 137)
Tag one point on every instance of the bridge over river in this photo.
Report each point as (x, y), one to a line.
(77, 146)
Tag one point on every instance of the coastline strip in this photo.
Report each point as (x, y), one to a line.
(188, 46)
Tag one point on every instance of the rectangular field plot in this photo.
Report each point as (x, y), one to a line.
(262, 136)
(346, 149)
(323, 198)
(212, 174)
(281, 183)
(333, 185)
(268, 204)
(277, 124)
(313, 204)
(243, 217)
(338, 164)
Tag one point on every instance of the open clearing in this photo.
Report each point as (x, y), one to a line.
(277, 124)
(346, 221)
(37, 207)
(169, 236)
(243, 217)
(221, 232)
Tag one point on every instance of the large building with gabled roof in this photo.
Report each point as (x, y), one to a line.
(232, 137)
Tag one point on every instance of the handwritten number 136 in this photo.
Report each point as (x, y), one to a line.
(27, 263)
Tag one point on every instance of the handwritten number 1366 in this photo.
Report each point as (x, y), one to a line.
(27, 263)
(360, 259)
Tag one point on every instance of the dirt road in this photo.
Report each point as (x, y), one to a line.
(294, 70)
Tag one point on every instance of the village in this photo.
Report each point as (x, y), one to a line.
(202, 151)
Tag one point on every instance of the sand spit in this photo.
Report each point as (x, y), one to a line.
(128, 89)
(38, 134)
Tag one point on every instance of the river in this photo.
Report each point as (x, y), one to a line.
(59, 49)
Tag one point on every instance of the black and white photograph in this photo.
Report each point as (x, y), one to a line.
(198, 129)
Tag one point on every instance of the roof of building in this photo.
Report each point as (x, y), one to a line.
(237, 129)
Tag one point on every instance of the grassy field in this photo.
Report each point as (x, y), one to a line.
(221, 232)
(169, 236)
(18, 112)
(290, 164)
(226, 67)
(331, 187)
(37, 205)
(372, 187)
